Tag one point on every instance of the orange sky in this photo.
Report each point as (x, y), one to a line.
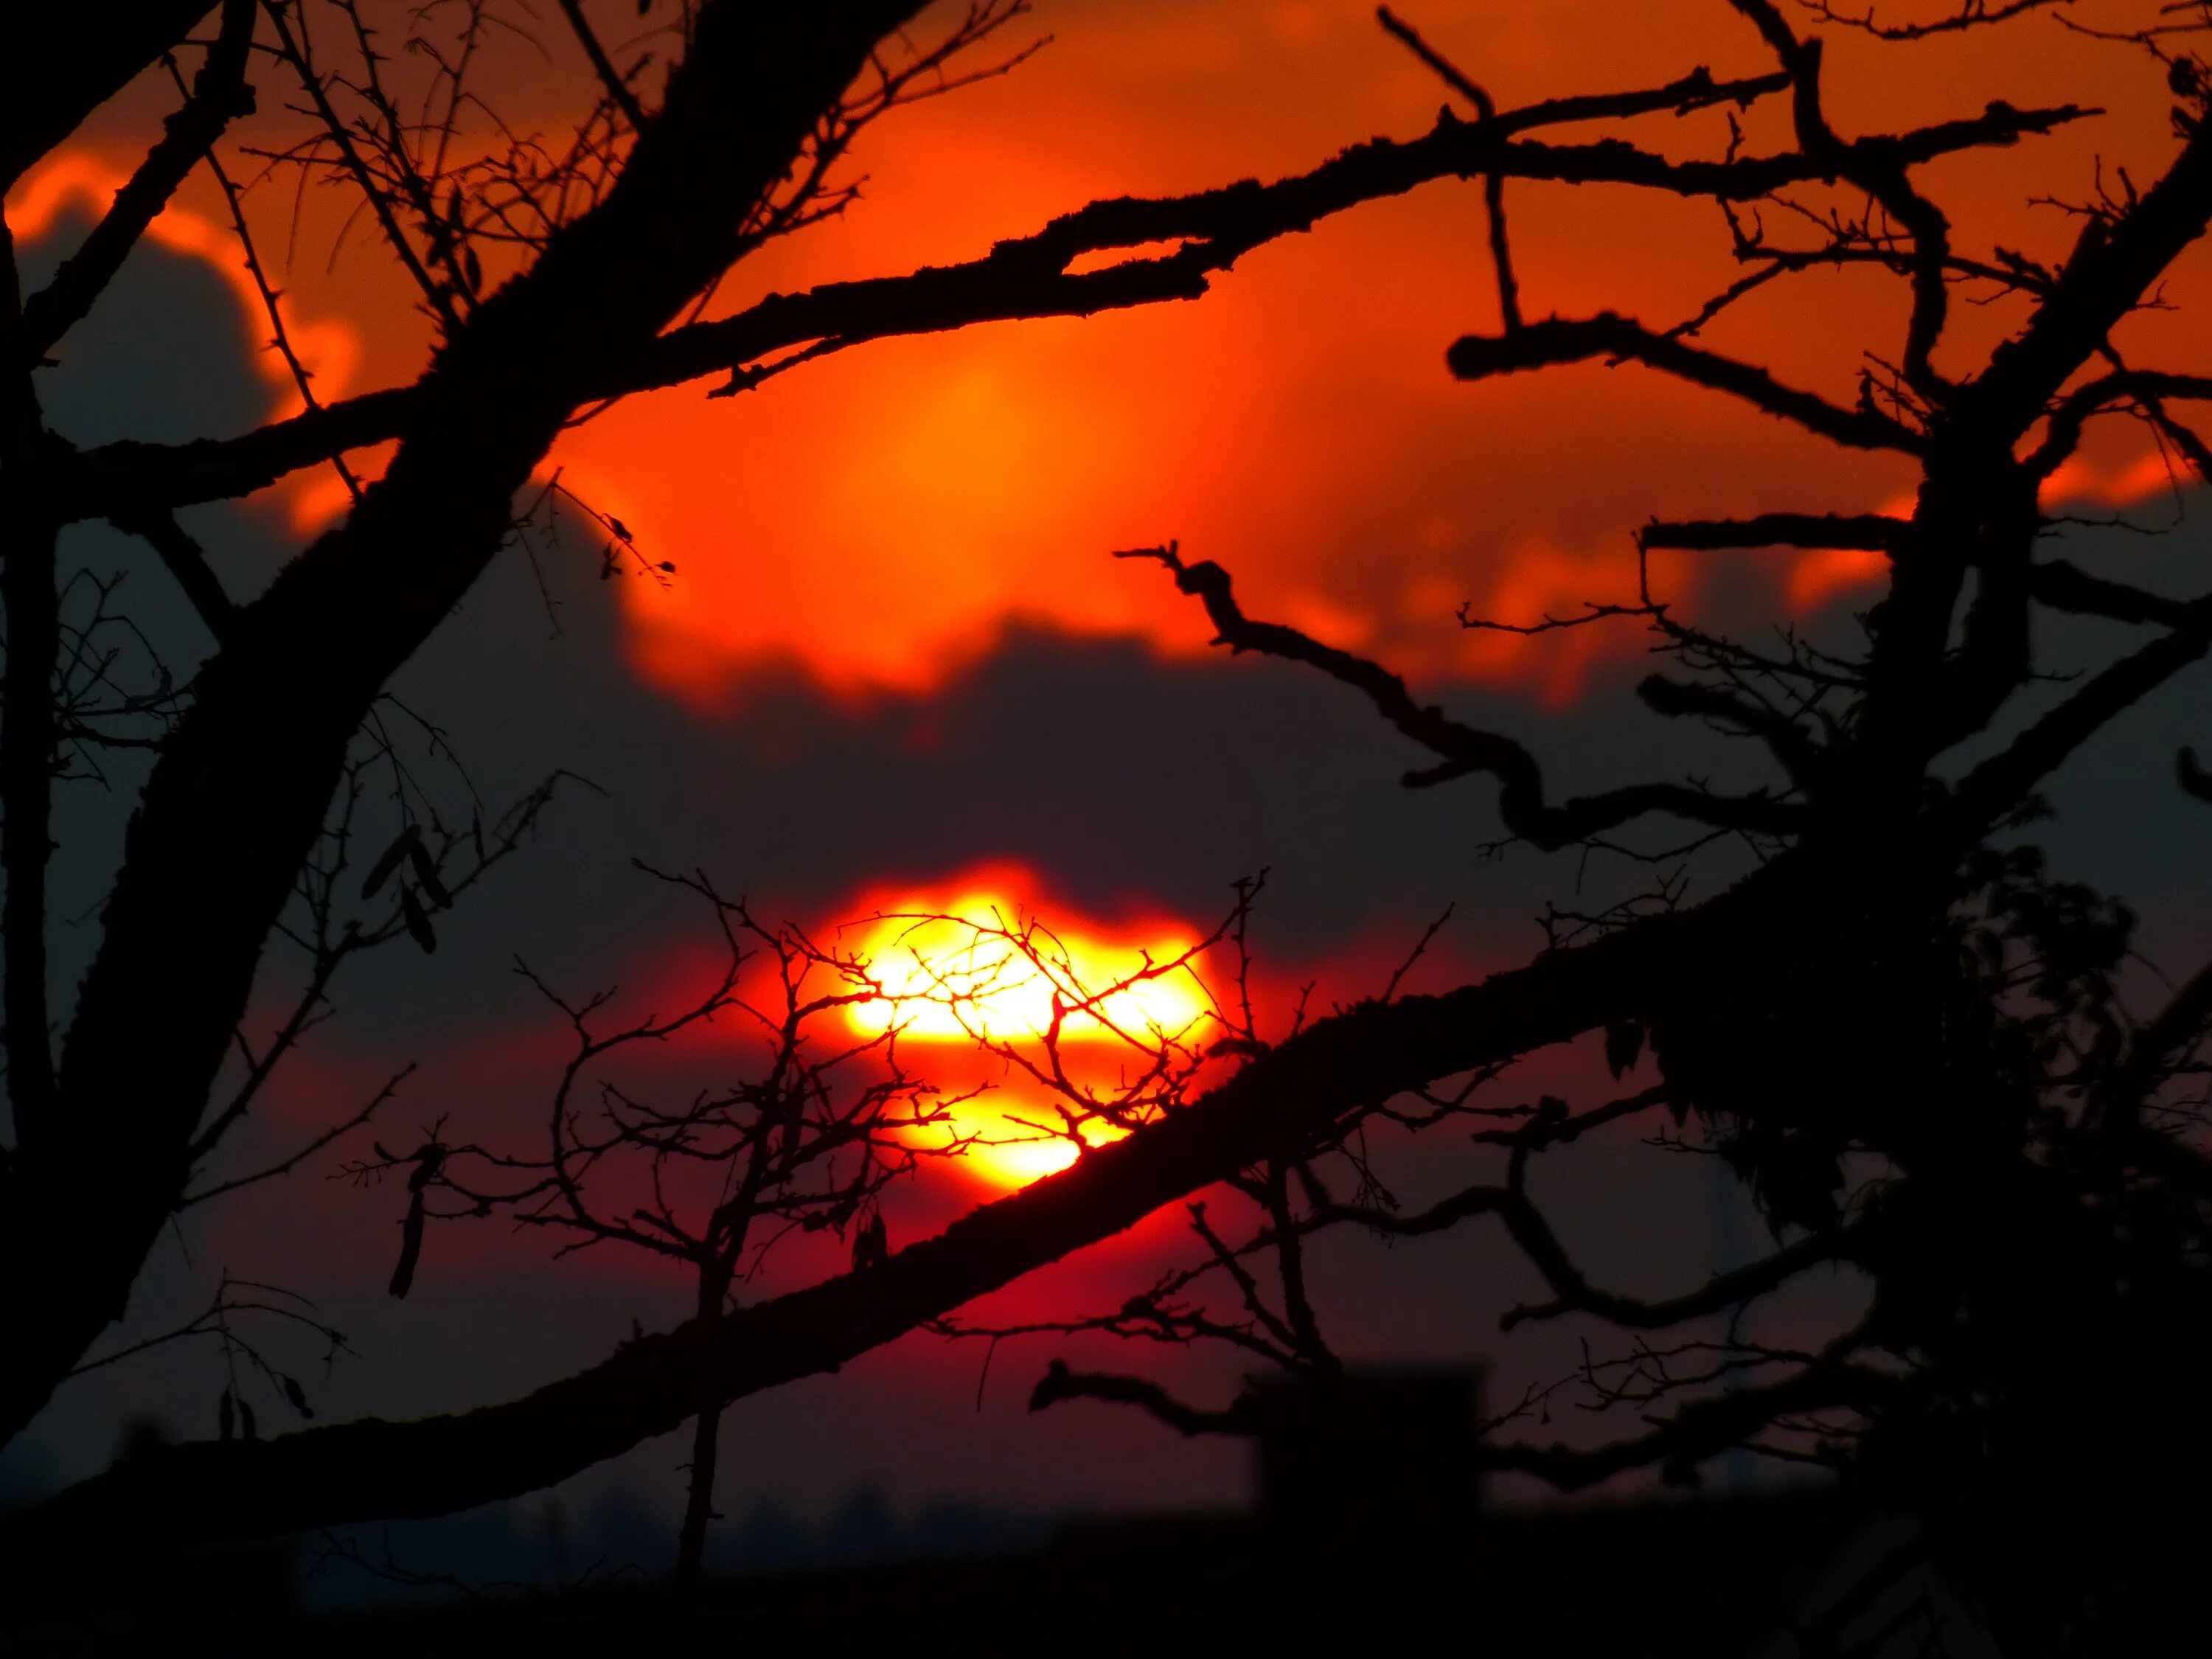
(875, 519)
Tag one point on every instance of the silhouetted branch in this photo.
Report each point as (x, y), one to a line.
(2063, 435)
(1998, 784)
(1970, 14)
(1059, 1383)
(1280, 1099)
(187, 563)
(1871, 531)
(1027, 277)
(1701, 1428)
(220, 94)
(285, 1166)
(2114, 263)
(1559, 340)
(1493, 183)
(2065, 585)
(1464, 749)
(618, 89)
(64, 62)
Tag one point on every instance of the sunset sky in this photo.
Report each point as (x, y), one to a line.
(895, 668)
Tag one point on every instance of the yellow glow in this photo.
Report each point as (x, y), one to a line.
(981, 980)
(977, 967)
(1004, 1159)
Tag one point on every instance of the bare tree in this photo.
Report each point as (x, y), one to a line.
(1906, 1036)
(806, 1141)
(1912, 1043)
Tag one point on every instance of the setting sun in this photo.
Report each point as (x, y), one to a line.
(978, 974)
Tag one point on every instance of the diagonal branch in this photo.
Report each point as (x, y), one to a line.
(2000, 783)
(1282, 1102)
(186, 562)
(1493, 183)
(1241, 1417)
(220, 94)
(1464, 749)
(1028, 277)
(2113, 264)
(1871, 531)
(618, 88)
(1559, 340)
(64, 62)
(2065, 585)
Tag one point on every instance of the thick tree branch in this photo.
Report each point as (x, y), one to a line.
(186, 563)
(220, 94)
(1871, 531)
(238, 796)
(1028, 277)
(1559, 340)
(2000, 784)
(2065, 585)
(2114, 264)
(618, 88)
(1279, 1105)
(64, 62)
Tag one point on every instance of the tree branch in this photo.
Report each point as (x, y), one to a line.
(2113, 264)
(1999, 784)
(185, 560)
(220, 94)
(1559, 340)
(64, 62)
(2065, 585)
(1463, 749)
(618, 88)
(1027, 277)
(1280, 1103)
(1060, 1384)
(237, 799)
(1871, 531)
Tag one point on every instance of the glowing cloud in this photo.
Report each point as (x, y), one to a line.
(328, 349)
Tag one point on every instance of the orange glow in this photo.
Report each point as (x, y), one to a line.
(877, 520)
(74, 181)
(329, 348)
(973, 972)
(1816, 578)
(1829, 573)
